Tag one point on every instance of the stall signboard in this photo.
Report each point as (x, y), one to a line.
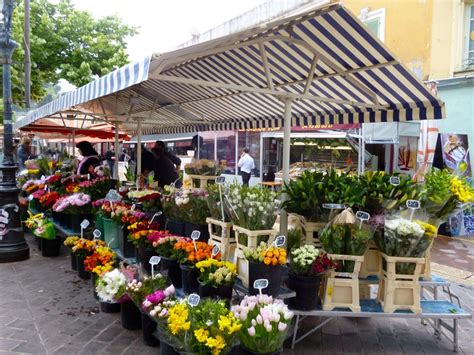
(455, 153)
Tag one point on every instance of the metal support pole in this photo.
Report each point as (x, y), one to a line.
(117, 147)
(139, 147)
(362, 151)
(236, 154)
(73, 148)
(26, 40)
(261, 157)
(13, 246)
(215, 146)
(286, 163)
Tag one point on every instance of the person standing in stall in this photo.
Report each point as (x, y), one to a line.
(246, 165)
(90, 158)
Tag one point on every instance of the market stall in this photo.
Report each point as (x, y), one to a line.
(315, 68)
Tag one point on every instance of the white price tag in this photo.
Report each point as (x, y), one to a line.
(194, 299)
(333, 206)
(84, 224)
(220, 179)
(395, 180)
(88, 176)
(260, 284)
(96, 233)
(279, 241)
(195, 235)
(30, 197)
(413, 204)
(42, 177)
(154, 260)
(113, 196)
(363, 216)
(133, 207)
(157, 214)
(215, 250)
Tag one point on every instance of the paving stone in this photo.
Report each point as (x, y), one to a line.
(30, 347)
(9, 344)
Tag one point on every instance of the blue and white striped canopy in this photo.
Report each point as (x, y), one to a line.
(325, 61)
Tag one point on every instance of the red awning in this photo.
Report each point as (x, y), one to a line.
(79, 132)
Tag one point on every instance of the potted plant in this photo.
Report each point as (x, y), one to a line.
(216, 278)
(99, 262)
(195, 210)
(110, 287)
(76, 206)
(44, 230)
(214, 329)
(307, 267)
(173, 212)
(266, 262)
(137, 291)
(81, 249)
(69, 243)
(163, 245)
(188, 253)
(265, 324)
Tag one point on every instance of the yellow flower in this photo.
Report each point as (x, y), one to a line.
(178, 319)
(230, 323)
(217, 344)
(201, 335)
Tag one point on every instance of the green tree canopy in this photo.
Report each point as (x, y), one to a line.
(66, 43)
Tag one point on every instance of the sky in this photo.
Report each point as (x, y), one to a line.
(164, 24)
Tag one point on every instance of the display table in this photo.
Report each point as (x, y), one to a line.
(438, 311)
(272, 184)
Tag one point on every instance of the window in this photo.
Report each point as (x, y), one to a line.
(469, 56)
(375, 22)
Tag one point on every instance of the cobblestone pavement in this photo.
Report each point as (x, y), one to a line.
(455, 252)
(46, 308)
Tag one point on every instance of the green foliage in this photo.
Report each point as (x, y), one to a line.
(382, 195)
(66, 43)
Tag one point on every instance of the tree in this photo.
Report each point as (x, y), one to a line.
(66, 43)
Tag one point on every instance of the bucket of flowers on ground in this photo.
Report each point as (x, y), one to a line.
(110, 287)
(81, 249)
(69, 243)
(99, 262)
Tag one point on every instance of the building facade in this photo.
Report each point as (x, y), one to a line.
(435, 39)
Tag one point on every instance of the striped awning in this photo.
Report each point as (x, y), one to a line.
(325, 61)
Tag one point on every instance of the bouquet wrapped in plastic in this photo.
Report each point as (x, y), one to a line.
(406, 236)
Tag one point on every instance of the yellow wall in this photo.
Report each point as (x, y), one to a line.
(407, 29)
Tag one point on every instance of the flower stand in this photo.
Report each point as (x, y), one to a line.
(342, 288)
(372, 264)
(247, 239)
(220, 235)
(310, 232)
(203, 180)
(400, 291)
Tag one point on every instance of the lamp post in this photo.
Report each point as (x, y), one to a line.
(13, 246)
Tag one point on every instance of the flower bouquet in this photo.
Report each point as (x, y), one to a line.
(194, 206)
(346, 235)
(173, 324)
(77, 203)
(216, 208)
(139, 290)
(251, 208)
(405, 238)
(216, 278)
(100, 261)
(266, 262)
(213, 329)
(203, 167)
(69, 243)
(111, 286)
(265, 323)
(445, 194)
(306, 269)
(140, 238)
(149, 199)
(187, 254)
(41, 226)
(96, 188)
(48, 199)
(163, 243)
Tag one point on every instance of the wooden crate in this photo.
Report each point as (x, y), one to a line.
(310, 232)
(223, 239)
(400, 291)
(426, 268)
(251, 238)
(203, 180)
(372, 264)
(342, 288)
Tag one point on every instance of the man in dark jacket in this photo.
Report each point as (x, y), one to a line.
(173, 158)
(165, 170)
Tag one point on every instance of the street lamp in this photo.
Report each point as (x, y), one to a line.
(13, 246)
